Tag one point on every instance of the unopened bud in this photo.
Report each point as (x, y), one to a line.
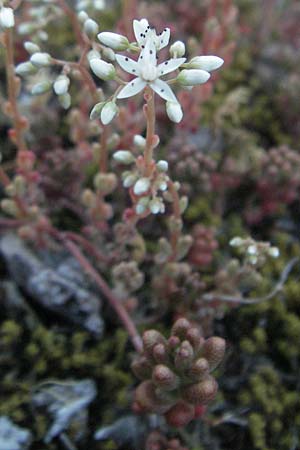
(7, 19)
(41, 88)
(61, 85)
(115, 41)
(174, 111)
(90, 27)
(141, 186)
(31, 47)
(177, 50)
(40, 59)
(192, 77)
(102, 69)
(207, 62)
(106, 182)
(108, 112)
(124, 157)
(26, 68)
(139, 141)
(162, 165)
(65, 100)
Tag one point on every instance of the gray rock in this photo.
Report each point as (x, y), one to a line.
(65, 403)
(13, 437)
(62, 288)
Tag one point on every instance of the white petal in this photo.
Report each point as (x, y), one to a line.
(163, 90)
(132, 88)
(139, 28)
(163, 38)
(148, 54)
(169, 66)
(127, 64)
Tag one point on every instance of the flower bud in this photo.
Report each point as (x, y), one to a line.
(40, 59)
(93, 54)
(115, 41)
(61, 85)
(88, 198)
(180, 414)
(139, 141)
(65, 100)
(142, 205)
(177, 50)
(123, 156)
(108, 112)
(236, 242)
(183, 246)
(162, 165)
(156, 205)
(26, 68)
(106, 182)
(7, 19)
(102, 69)
(109, 54)
(129, 179)
(274, 252)
(192, 77)
(165, 378)
(201, 393)
(141, 186)
(82, 16)
(214, 350)
(174, 111)
(41, 88)
(31, 47)
(96, 111)
(90, 27)
(183, 203)
(9, 207)
(207, 63)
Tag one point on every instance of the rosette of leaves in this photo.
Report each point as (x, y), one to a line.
(175, 373)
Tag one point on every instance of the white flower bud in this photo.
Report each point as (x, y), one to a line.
(142, 205)
(41, 59)
(26, 28)
(139, 141)
(82, 16)
(236, 242)
(99, 4)
(93, 54)
(65, 100)
(177, 50)
(274, 252)
(108, 53)
(41, 88)
(162, 186)
(123, 156)
(7, 19)
(192, 77)
(61, 85)
(129, 180)
(183, 203)
(102, 69)
(252, 250)
(96, 111)
(141, 186)
(162, 165)
(31, 47)
(26, 68)
(174, 111)
(115, 41)
(108, 112)
(207, 63)
(156, 205)
(90, 27)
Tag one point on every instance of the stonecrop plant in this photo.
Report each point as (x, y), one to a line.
(91, 118)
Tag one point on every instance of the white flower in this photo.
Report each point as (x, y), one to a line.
(108, 112)
(7, 19)
(207, 63)
(193, 77)
(102, 69)
(148, 73)
(143, 32)
(174, 111)
(113, 40)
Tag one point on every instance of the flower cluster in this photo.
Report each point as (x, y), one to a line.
(176, 372)
(147, 71)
